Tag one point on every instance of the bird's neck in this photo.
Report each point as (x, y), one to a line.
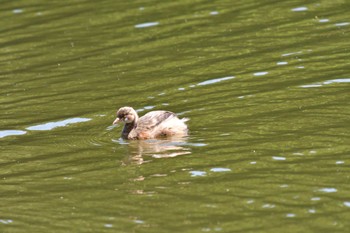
(127, 129)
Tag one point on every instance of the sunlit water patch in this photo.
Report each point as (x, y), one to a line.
(17, 11)
(311, 85)
(197, 173)
(261, 73)
(323, 20)
(342, 24)
(5, 133)
(341, 80)
(281, 63)
(278, 158)
(6, 221)
(52, 125)
(108, 225)
(120, 141)
(291, 53)
(216, 80)
(220, 169)
(290, 215)
(148, 107)
(299, 9)
(332, 81)
(268, 206)
(146, 25)
(312, 211)
(328, 190)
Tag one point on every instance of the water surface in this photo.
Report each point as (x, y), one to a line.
(264, 83)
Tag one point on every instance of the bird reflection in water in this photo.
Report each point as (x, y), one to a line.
(139, 150)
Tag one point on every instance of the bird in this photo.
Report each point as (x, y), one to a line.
(154, 124)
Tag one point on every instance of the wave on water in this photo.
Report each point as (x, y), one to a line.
(52, 125)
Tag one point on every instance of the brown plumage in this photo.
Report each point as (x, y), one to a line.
(152, 125)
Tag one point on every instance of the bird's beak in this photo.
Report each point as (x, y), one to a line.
(116, 121)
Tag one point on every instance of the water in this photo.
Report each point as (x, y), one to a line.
(264, 83)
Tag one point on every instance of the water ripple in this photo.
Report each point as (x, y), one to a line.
(198, 173)
(17, 11)
(278, 158)
(342, 24)
(6, 221)
(216, 80)
(52, 125)
(292, 53)
(280, 63)
(220, 169)
(328, 190)
(146, 25)
(5, 133)
(299, 9)
(262, 73)
(332, 81)
(341, 80)
(323, 20)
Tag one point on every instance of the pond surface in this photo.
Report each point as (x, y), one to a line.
(266, 86)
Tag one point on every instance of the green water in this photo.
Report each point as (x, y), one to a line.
(266, 87)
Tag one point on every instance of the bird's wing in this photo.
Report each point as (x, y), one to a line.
(152, 119)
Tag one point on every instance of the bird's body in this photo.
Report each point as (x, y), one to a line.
(154, 124)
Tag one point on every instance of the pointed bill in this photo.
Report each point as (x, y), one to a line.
(116, 121)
